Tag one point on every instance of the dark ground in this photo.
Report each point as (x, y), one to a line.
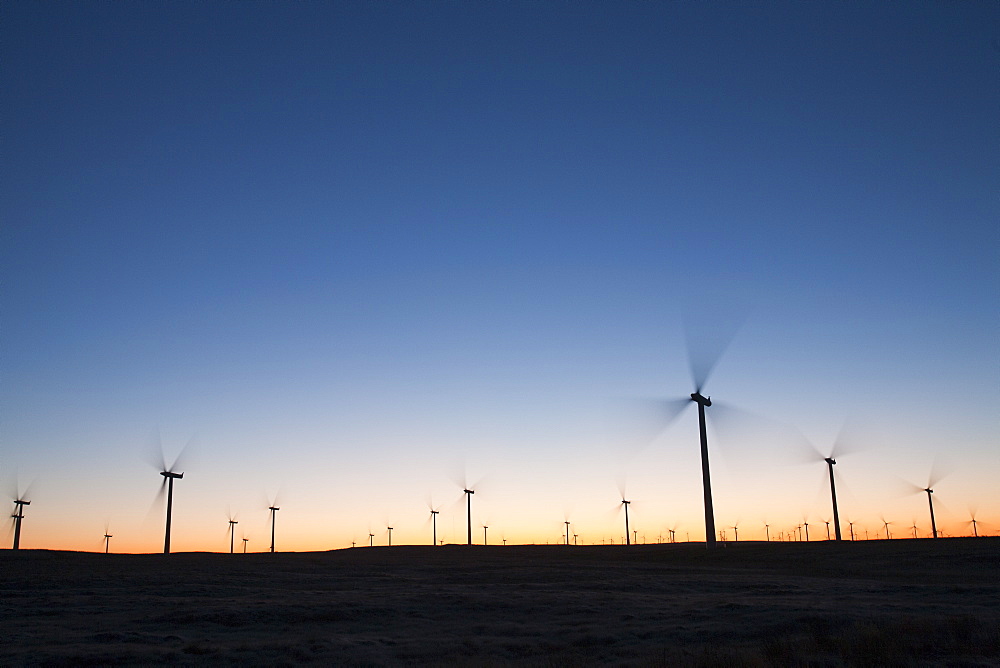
(900, 602)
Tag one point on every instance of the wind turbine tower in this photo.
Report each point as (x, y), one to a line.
(434, 521)
(245, 545)
(468, 498)
(830, 462)
(627, 535)
(274, 512)
(930, 503)
(567, 532)
(18, 516)
(168, 478)
(107, 541)
(232, 534)
(706, 478)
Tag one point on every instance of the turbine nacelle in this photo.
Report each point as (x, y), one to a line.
(699, 398)
(831, 461)
(171, 474)
(469, 491)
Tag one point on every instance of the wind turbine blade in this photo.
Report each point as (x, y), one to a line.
(158, 500)
(26, 494)
(743, 430)
(906, 488)
(941, 468)
(183, 457)
(708, 334)
(802, 450)
(620, 481)
(154, 451)
(641, 421)
(848, 441)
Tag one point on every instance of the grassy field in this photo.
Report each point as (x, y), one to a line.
(872, 603)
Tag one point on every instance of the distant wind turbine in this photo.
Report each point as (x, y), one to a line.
(232, 533)
(19, 503)
(169, 474)
(273, 510)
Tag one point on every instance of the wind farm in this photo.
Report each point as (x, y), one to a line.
(344, 250)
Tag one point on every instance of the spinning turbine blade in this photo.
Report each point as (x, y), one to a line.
(707, 337)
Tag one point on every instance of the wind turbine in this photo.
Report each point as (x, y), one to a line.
(273, 509)
(169, 474)
(434, 521)
(107, 539)
(972, 522)
(232, 533)
(938, 473)
(19, 504)
(484, 534)
(704, 351)
(888, 536)
(839, 448)
(767, 532)
(930, 504)
(736, 532)
(468, 497)
(245, 539)
(567, 533)
(390, 536)
(627, 537)
(371, 540)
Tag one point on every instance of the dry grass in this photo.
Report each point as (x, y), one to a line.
(878, 603)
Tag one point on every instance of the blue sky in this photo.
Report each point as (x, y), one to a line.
(350, 246)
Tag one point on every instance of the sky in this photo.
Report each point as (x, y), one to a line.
(354, 256)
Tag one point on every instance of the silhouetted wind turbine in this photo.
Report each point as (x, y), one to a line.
(19, 504)
(937, 474)
(839, 448)
(888, 536)
(107, 539)
(371, 540)
(169, 475)
(390, 536)
(627, 537)
(567, 533)
(468, 498)
(484, 534)
(434, 521)
(767, 532)
(232, 533)
(972, 521)
(273, 509)
(245, 539)
(736, 532)
(704, 352)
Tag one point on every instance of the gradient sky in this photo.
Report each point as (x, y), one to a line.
(361, 251)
